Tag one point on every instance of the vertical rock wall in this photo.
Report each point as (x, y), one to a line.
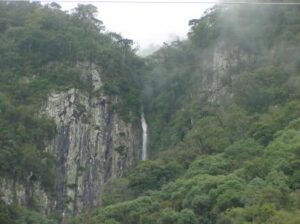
(215, 85)
(92, 144)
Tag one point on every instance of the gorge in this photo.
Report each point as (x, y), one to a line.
(203, 131)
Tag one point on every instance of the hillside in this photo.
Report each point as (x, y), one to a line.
(223, 115)
(222, 109)
(69, 107)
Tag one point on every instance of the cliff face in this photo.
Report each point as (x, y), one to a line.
(92, 144)
(217, 80)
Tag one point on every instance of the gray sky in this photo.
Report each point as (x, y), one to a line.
(147, 23)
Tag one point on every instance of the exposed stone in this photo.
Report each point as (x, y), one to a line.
(87, 147)
(223, 59)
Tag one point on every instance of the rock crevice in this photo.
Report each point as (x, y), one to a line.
(92, 144)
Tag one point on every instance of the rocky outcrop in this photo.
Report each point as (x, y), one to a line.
(217, 78)
(92, 145)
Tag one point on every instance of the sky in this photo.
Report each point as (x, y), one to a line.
(147, 24)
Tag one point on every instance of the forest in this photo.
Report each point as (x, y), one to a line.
(223, 110)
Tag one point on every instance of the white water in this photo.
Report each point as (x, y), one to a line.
(145, 136)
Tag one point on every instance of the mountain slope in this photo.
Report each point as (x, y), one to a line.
(222, 109)
(69, 110)
(223, 115)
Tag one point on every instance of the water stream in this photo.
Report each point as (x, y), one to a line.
(145, 136)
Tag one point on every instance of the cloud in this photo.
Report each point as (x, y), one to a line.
(147, 23)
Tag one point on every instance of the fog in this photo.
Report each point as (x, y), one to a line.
(147, 24)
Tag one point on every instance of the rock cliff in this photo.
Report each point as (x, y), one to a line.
(218, 74)
(92, 144)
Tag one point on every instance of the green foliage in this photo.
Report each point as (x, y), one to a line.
(42, 50)
(276, 119)
(223, 114)
(22, 145)
(261, 89)
(44, 44)
(151, 175)
(168, 216)
(212, 165)
(116, 190)
(10, 214)
(222, 107)
(209, 135)
(127, 212)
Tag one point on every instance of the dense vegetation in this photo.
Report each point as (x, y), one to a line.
(227, 153)
(40, 50)
(224, 131)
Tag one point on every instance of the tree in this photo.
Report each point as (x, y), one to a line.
(88, 13)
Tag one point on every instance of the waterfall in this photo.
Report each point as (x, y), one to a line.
(145, 136)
